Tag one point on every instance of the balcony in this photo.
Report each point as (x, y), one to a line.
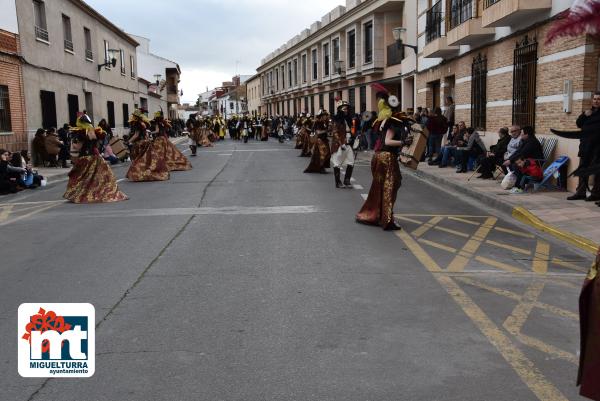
(464, 26)
(436, 45)
(509, 12)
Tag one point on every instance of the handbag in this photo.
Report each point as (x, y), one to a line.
(509, 181)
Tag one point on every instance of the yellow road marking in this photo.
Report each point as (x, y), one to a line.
(404, 218)
(438, 245)
(569, 265)
(516, 297)
(497, 264)
(5, 212)
(514, 232)
(458, 218)
(4, 223)
(526, 370)
(519, 315)
(540, 260)
(454, 232)
(509, 247)
(427, 226)
(460, 261)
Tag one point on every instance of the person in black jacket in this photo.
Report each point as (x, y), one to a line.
(530, 148)
(495, 156)
(589, 150)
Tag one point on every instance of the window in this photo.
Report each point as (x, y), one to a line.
(336, 49)
(39, 15)
(331, 103)
(315, 65)
(433, 24)
(524, 82)
(73, 103)
(289, 66)
(89, 54)
(304, 67)
(478, 92)
(106, 55)
(352, 100)
(368, 45)
(277, 80)
(296, 72)
(125, 115)
(326, 60)
(144, 103)
(312, 105)
(282, 77)
(321, 101)
(122, 61)
(362, 98)
(67, 35)
(5, 124)
(460, 12)
(132, 66)
(231, 105)
(352, 49)
(110, 106)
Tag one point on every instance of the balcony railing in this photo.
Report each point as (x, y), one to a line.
(395, 54)
(489, 3)
(41, 33)
(460, 11)
(89, 54)
(435, 19)
(68, 45)
(172, 89)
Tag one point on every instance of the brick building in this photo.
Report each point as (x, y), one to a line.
(13, 134)
(491, 56)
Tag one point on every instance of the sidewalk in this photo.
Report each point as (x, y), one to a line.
(54, 174)
(576, 222)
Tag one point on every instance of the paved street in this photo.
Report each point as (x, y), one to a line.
(245, 279)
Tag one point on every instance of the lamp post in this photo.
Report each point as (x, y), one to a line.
(112, 59)
(397, 34)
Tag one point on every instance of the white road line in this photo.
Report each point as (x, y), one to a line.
(357, 186)
(353, 179)
(225, 154)
(121, 180)
(364, 196)
(31, 203)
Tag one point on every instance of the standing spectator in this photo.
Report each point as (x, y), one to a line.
(449, 112)
(437, 126)
(589, 150)
(38, 146)
(63, 136)
(53, 146)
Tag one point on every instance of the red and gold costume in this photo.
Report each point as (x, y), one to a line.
(148, 163)
(378, 209)
(321, 154)
(174, 159)
(308, 140)
(589, 317)
(91, 179)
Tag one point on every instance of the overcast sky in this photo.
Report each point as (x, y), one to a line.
(206, 37)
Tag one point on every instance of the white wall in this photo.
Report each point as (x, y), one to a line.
(8, 16)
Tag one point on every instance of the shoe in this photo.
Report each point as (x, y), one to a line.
(577, 196)
(593, 198)
(392, 227)
(516, 191)
(348, 176)
(338, 181)
(461, 171)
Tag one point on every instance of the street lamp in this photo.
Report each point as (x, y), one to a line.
(157, 77)
(397, 34)
(112, 59)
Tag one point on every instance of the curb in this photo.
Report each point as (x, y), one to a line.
(517, 212)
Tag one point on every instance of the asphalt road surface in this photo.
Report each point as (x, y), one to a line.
(245, 279)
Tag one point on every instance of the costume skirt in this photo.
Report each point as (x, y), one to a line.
(589, 318)
(321, 156)
(175, 160)
(92, 181)
(378, 209)
(149, 164)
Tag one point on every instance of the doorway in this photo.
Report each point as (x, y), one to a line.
(48, 102)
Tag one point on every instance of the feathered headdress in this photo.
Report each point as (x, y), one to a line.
(582, 18)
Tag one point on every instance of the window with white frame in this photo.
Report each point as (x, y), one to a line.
(368, 42)
(67, 34)
(351, 48)
(315, 65)
(122, 60)
(304, 68)
(132, 65)
(326, 60)
(89, 53)
(39, 15)
(296, 72)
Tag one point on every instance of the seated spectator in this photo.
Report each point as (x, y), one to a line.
(495, 156)
(473, 149)
(9, 175)
(53, 146)
(527, 171)
(38, 145)
(455, 139)
(109, 155)
(530, 148)
(28, 178)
